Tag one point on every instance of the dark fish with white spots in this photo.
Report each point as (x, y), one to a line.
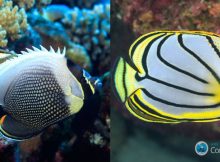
(38, 90)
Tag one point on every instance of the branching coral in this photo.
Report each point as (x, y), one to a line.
(145, 16)
(78, 54)
(13, 22)
(91, 29)
(55, 34)
(27, 4)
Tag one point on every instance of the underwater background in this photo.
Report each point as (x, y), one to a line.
(83, 27)
(134, 140)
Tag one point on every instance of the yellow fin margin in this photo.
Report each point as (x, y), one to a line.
(205, 116)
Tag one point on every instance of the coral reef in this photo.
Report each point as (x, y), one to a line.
(13, 22)
(78, 54)
(15, 32)
(91, 29)
(31, 38)
(145, 16)
(88, 28)
(27, 4)
(53, 33)
(80, 3)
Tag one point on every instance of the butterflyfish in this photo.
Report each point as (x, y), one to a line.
(37, 89)
(172, 77)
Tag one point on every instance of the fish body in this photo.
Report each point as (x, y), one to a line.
(174, 77)
(37, 90)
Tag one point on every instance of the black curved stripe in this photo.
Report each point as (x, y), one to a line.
(139, 102)
(179, 88)
(164, 118)
(158, 114)
(123, 77)
(213, 45)
(178, 105)
(174, 67)
(140, 41)
(137, 111)
(146, 51)
(138, 78)
(180, 40)
(165, 32)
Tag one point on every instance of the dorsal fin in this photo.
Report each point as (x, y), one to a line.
(43, 50)
(30, 52)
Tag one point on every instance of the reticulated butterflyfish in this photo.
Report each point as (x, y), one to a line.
(37, 89)
(175, 77)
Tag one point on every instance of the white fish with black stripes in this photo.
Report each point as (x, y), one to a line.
(173, 77)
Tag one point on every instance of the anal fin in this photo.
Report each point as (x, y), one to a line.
(13, 129)
(140, 110)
